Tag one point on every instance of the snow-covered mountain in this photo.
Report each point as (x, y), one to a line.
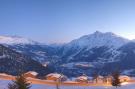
(97, 52)
(36, 50)
(108, 41)
(99, 39)
(15, 40)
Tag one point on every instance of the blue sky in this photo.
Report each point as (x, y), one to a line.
(60, 21)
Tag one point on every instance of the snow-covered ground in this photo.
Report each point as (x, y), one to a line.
(132, 86)
(4, 83)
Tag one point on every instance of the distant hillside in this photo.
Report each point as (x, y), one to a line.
(98, 52)
(12, 62)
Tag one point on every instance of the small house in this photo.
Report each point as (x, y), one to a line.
(56, 77)
(31, 74)
(124, 78)
(98, 79)
(82, 78)
(107, 79)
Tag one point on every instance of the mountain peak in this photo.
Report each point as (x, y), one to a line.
(98, 32)
(15, 40)
(103, 33)
(99, 39)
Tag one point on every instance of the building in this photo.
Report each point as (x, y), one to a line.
(124, 78)
(31, 74)
(56, 77)
(107, 79)
(82, 78)
(98, 79)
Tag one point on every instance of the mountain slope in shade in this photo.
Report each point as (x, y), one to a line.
(38, 51)
(41, 53)
(93, 41)
(12, 62)
(97, 52)
(126, 60)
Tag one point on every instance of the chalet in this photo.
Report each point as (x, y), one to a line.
(56, 77)
(124, 78)
(31, 74)
(82, 78)
(107, 79)
(98, 79)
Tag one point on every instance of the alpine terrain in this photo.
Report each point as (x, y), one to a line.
(94, 53)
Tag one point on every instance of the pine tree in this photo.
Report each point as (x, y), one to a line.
(95, 77)
(115, 80)
(58, 82)
(20, 83)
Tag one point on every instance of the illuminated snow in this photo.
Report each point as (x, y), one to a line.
(15, 40)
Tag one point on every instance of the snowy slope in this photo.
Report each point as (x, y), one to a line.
(4, 83)
(130, 86)
(94, 44)
(99, 39)
(96, 39)
(15, 40)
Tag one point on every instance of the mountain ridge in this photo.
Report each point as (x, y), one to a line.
(90, 53)
(14, 39)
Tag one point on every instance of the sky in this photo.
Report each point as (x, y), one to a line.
(58, 21)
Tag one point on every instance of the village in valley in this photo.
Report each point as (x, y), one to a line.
(67, 44)
(56, 79)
